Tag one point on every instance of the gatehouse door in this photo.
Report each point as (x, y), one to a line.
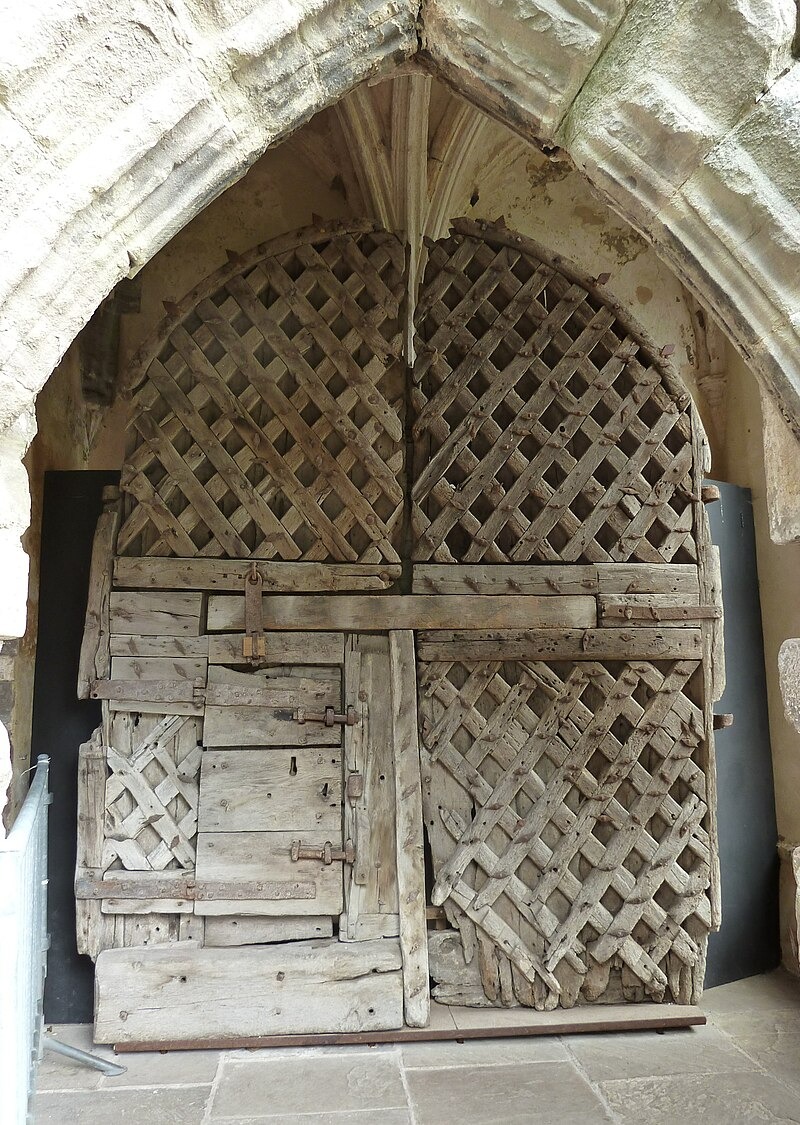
(406, 670)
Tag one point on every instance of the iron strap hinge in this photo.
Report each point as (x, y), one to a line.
(330, 717)
(326, 852)
(253, 643)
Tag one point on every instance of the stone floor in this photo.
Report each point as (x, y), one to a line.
(744, 1066)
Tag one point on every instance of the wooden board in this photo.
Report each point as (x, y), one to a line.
(236, 858)
(450, 1024)
(94, 654)
(543, 579)
(281, 648)
(555, 644)
(410, 840)
(256, 990)
(233, 930)
(369, 818)
(413, 611)
(229, 575)
(270, 790)
(131, 645)
(147, 669)
(160, 614)
(649, 610)
(269, 722)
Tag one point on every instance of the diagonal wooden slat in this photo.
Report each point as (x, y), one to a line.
(540, 477)
(271, 420)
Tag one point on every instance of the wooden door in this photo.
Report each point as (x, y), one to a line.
(280, 587)
(568, 773)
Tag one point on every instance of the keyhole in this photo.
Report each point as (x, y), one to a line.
(325, 789)
(293, 765)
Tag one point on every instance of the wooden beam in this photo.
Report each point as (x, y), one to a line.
(468, 1023)
(413, 611)
(410, 845)
(94, 656)
(157, 993)
(223, 575)
(561, 644)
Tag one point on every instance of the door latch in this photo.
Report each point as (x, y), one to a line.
(329, 716)
(253, 643)
(326, 852)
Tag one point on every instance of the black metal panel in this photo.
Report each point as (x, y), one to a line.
(748, 942)
(61, 722)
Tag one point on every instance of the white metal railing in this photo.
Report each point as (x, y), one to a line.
(23, 948)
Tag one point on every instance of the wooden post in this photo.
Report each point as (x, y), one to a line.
(410, 849)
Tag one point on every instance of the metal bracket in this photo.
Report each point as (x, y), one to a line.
(326, 852)
(253, 643)
(330, 717)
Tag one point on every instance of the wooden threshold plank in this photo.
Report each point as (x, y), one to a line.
(592, 1018)
(229, 575)
(413, 611)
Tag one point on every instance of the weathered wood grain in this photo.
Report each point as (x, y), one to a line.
(147, 669)
(165, 613)
(130, 645)
(270, 721)
(369, 816)
(644, 578)
(281, 648)
(410, 842)
(228, 575)
(238, 858)
(540, 580)
(648, 610)
(255, 990)
(235, 930)
(270, 790)
(94, 655)
(574, 644)
(94, 930)
(414, 611)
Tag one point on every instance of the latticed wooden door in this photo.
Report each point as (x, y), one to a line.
(568, 774)
(318, 546)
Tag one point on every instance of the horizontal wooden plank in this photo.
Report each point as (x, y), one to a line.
(229, 722)
(158, 697)
(236, 859)
(166, 668)
(147, 906)
(414, 611)
(543, 581)
(159, 993)
(651, 609)
(266, 790)
(230, 929)
(365, 927)
(571, 644)
(160, 614)
(222, 575)
(184, 885)
(451, 1023)
(644, 578)
(130, 644)
(281, 648)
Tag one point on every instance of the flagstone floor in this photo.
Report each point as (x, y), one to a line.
(742, 1067)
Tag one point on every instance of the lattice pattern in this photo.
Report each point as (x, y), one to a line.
(539, 434)
(270, 422)
(152, 792)
(566, 813)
